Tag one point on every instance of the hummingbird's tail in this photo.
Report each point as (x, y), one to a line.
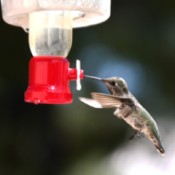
(160, 148)
(155, 139)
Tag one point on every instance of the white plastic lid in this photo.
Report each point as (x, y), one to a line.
(84, 12)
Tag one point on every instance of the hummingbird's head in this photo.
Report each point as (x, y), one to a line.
(117, 83)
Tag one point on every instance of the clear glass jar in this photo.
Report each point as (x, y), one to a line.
(50, 33)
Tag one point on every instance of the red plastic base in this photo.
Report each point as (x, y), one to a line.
(49, 78)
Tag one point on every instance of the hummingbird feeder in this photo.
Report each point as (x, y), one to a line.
(49, 24)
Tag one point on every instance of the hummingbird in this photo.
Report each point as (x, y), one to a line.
(126, 108)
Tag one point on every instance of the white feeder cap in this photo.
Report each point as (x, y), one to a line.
(84, 12)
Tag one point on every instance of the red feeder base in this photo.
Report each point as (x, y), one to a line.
(49, 78)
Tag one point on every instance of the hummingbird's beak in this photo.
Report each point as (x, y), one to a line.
(104, 80)
(93, 77)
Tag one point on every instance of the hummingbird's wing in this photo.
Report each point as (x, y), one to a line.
(91, 102)
(100, 100)
(110, 101)
(124, 106)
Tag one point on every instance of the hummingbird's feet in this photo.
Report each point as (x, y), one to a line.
(136, 134)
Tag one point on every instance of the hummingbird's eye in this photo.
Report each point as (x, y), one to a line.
(112, 83)
(125, 90)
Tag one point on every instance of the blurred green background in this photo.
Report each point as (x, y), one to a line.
(136, 43)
